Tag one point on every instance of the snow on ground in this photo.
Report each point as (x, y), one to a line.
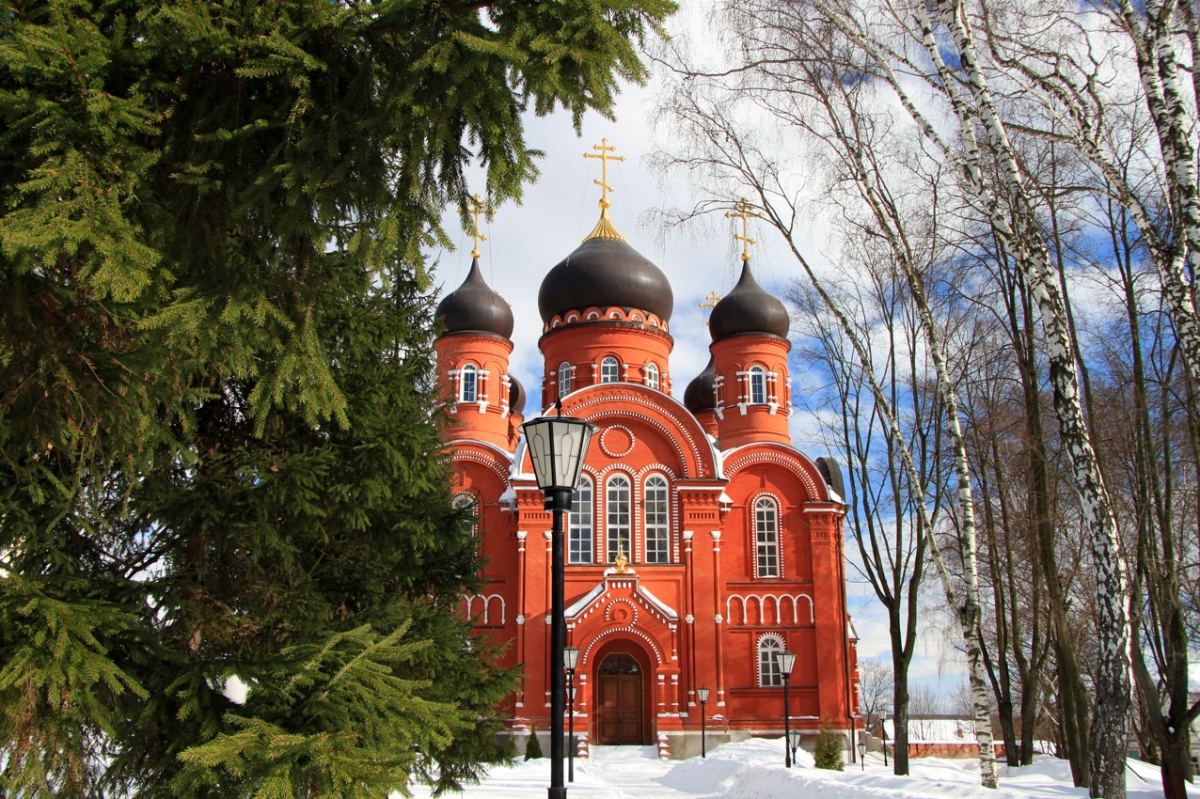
(754, 770)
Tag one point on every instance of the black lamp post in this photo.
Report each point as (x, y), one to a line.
(786, 660)
(862, 754)
(570, 662)
(557, 445)
(793, 737)
(702, 695)
(883, 734)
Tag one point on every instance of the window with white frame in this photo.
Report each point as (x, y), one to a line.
(770, 647)
(579, 545)
(656, 502)
(610, 370)
(465, 500)
(617, 517)
(766, 537)
(565, 375)
(758, 385)
(468, 383)
(652, 376)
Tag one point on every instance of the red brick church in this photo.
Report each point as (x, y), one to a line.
(700, 543)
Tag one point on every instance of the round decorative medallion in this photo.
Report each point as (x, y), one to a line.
(616, 441)
(621, 612)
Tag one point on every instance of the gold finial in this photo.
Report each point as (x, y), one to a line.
(711, 300)
(604, 228)
(744, 210)
(621, 562)
(476, 207)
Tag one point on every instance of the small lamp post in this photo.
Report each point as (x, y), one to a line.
(702, 695)
(793, 742)
(570, 662)
(786, 660)
(862, 754)
(883, 734)
(557, 445)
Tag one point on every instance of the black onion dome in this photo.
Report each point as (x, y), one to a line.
(748, 309)
(607, 273)
(516, 396)
(700, 394)
(474, 307)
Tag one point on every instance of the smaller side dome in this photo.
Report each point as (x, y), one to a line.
(516, 396)
(748, 309)
(700, 394)
(474, 307)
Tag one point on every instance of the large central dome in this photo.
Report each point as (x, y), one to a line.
(606, 273)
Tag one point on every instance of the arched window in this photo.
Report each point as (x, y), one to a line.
(617, 517)
(770, 647)
(655, 500)
(580, 543)
(652, 376)
(468, 384)
(766, 538)
(565, 373)
(466, 500)
(758, 385)
(609, 370)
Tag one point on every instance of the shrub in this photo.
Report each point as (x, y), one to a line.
(533, 749)
(827, 753)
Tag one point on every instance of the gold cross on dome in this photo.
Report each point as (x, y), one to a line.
(476, 207)
(711, 301)
(744, 210)
(603, 154)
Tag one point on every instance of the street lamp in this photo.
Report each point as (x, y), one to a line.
(883, 734)
(557, 445)
(570, 661)
(702, 694)
(786, 660)
(862, 754)
(793, 737)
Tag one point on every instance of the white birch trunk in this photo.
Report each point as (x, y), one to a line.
(1113, 690)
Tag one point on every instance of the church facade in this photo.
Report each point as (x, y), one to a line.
(701, 543)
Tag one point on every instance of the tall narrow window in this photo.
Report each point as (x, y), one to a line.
(580, 544)
(609, 370)
(652, 376)
(617, 517)
(564, 379)
(468, 384)
(657, 520)
(758, 385)
(770, 647)
(766, 537)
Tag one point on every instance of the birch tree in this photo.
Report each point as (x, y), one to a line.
(924, 57)
(818, 83)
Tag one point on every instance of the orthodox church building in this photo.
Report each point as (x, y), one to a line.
(700, 544)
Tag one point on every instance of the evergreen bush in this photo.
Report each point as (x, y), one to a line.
(828, 750)
(533, 749)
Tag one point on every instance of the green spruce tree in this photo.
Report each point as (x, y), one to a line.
(216, 418)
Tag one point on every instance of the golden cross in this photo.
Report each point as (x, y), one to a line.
(744, 210)
(711, 301)
(604, 157)
(476, 207)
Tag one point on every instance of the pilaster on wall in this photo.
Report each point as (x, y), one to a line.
(832, 634)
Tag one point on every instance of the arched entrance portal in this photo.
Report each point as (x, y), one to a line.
(620, 700)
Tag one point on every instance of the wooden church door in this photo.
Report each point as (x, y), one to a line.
(620, 709)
